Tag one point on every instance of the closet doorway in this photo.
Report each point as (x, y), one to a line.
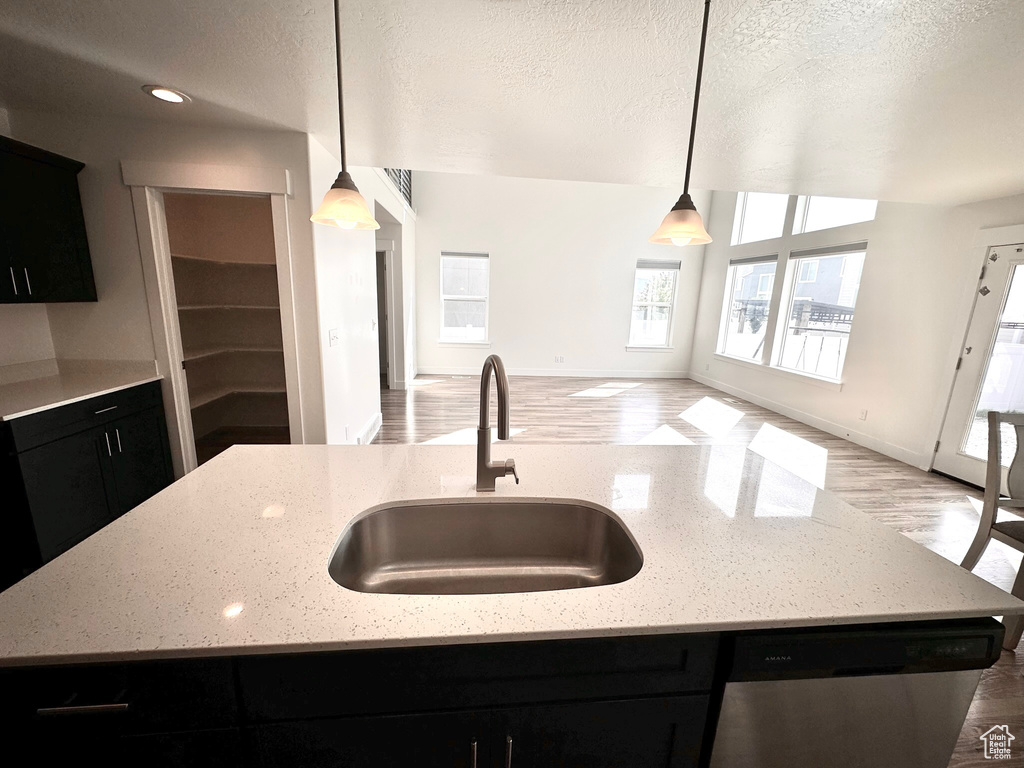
(224, 269)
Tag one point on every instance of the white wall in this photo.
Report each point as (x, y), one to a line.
(347, 297)
(912, 309)
(562, 259)
(117, 326)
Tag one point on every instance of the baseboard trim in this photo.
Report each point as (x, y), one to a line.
(371, 429)
(897, 452)
(557, 372)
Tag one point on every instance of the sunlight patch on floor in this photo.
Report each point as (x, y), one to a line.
(712, 417)
(597, 392)
(801, 457)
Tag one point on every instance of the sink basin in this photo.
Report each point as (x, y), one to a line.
(470, 547)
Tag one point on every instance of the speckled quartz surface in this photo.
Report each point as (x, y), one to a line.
(233, 558)
(72, 383)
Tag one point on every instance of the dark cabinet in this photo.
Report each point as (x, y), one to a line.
(44, 252)
(72, 469)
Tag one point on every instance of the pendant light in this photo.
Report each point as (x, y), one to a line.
(343, 206)
(683, 225)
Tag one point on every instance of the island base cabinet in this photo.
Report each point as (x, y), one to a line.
(641, 733)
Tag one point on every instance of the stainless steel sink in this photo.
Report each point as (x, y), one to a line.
(468, 546)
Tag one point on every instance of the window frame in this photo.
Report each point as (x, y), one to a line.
(807, 261)
(803, 212)
(486, 298)
(781, 327)
(729, 298)
(740, 215)
(654, 265)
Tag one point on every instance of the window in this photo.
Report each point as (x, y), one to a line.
(654, 295)
(464, 285)
(759, 216)
(820, 313)
(816, 212)
(748, 293)
(808, 270)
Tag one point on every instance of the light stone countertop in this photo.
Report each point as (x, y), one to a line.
(74, 381)
(730, 541)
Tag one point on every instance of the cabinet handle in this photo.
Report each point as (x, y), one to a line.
(104, 410)
(472, 754)
(117, 433)
(83, 709)
(107, 436)
(508, 752)
(14, 282)
(28, 282)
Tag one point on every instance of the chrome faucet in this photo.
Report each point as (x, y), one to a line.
(486, 472)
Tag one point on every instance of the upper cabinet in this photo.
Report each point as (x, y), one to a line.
(44, 254)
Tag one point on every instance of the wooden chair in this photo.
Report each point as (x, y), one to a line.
(1010, 532)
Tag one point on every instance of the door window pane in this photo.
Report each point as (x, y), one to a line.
(817, 212)
(821, 314)
(464, 290)
(759, 216)
(748, 294)
(653, 298)
(1002, 388)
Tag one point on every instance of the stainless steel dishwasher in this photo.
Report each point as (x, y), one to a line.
(892, 695)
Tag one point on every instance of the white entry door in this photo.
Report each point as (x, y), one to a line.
(991, 369)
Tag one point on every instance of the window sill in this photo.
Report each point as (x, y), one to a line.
(640, 348)
(807, 378)
(454, 343)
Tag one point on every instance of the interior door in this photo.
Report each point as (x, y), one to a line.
(990, 376)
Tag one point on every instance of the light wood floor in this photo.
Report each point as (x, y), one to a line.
(932, 510)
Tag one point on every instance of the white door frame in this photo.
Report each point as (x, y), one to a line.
(391, 331)
(148, 181)
(984, 240)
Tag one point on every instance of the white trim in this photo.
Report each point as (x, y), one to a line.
(370, 430)
(207, 178)
(448, 370)
(391, 331)
(289, 335)
(809, 378)
(642, 348)
(913, 458)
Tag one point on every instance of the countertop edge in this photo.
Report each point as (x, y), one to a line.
(70, 400)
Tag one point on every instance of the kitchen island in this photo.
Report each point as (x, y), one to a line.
(232, 562)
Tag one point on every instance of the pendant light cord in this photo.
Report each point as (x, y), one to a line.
(341, 99)
(696, 98)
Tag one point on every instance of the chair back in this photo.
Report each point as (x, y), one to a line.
(1015, 474)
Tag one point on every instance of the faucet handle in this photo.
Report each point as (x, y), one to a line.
(510, 469)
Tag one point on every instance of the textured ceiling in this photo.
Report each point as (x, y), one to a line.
(917, 100)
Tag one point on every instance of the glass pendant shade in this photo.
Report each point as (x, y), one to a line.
(682, 226)
(344, 207)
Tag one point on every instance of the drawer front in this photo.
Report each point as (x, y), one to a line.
(54, 423)
(114, 700)
(479, 675)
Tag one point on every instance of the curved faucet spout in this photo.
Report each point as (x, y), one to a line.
(486, 472)
(493, 363)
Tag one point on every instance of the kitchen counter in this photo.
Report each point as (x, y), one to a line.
(232, 559)
(72, 381)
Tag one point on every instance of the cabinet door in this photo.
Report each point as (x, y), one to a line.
(641, 733)
(400, 741)
(141, 459)
(66, 489)
(47, 246)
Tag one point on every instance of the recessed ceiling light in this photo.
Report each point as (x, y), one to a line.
(166, 94)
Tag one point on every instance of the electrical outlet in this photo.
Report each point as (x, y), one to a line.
(559, 358)
(864, 415)
(707, 366)
(332, 337)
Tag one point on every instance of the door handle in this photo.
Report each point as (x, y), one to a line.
(508, 752)
(14, 282)
(107, 436)
(117, 433)
(83, 709)
(28, 282)
(472, 754)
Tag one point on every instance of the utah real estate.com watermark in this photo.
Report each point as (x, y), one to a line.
(997, 742)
